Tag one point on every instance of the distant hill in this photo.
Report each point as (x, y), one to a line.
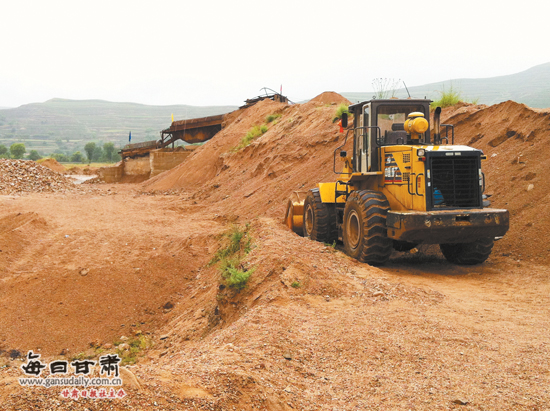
(69, 124)
(530, 87)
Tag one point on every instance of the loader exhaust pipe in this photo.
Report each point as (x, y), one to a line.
(437, 126)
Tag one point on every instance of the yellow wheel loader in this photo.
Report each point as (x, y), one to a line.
(401, 188)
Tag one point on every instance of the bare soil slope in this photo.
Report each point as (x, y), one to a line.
(515, 139)
(294, 154)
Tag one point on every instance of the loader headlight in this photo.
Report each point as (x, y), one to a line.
(420, 152)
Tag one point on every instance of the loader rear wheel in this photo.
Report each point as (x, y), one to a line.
(468, 253)
(364, 229)
(319, 218)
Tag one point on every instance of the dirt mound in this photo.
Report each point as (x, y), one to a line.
(87, 171)
(330, 97)
(21, 176)
(515, 139)
(52, 164)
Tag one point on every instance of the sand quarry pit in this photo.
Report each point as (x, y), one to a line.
(87, 270)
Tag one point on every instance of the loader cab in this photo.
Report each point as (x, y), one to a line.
(380, 123)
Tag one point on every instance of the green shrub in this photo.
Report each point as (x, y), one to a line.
(295, 284)
(136, 344)
(253, 133)
(229, 258)
(237, 278)
(272, 117)
(448, 98)
(342, 108)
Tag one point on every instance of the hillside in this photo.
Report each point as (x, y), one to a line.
(69, 124)
(530, 87)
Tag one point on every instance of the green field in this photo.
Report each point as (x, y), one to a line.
(67, 125)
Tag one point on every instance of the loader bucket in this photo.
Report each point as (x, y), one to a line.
(294, 216)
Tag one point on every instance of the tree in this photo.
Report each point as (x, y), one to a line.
(62, 158)
(34, 155)
(109, 149)
(97, 154)
(89, 149)
(77, 157)
(17, 150)
(3, 150)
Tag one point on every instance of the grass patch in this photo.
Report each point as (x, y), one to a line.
(272, 117)
(295, 284)
(342, 108)
(448, 98)
(252, 134)
(238, 244)
(136, 346)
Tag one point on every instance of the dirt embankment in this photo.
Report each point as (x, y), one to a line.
(515, 140)
(294, 154)
(314, 329)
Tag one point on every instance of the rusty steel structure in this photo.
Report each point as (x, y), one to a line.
(195, 130)
(277, 97)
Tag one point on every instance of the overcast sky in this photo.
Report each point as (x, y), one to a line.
(221, 52)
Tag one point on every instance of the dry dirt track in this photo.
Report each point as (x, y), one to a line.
(417, 334)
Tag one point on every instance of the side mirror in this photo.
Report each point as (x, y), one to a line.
(345, 120)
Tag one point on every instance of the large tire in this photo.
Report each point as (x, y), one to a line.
(319, 218)
(468, 253)
(364, 230)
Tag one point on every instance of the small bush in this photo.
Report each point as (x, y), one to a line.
(237, 278)
(238, 245)
(272, 117)
(342, 108)
(137, 344)
(448, 98)
(253, 133)
(295, 284)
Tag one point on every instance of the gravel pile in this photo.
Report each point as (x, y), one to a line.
(22, 176)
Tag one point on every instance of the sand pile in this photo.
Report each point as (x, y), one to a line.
(21, 176)
(515, 139)
(52, 164)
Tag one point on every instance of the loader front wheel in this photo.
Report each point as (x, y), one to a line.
(319, 218)
(364, 229)
(468, 253)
